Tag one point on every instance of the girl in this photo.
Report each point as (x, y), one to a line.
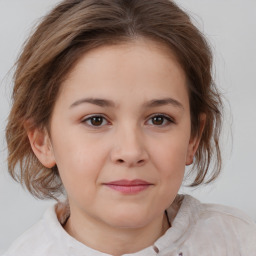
(112, 100)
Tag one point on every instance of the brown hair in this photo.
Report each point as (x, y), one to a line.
(73, 28)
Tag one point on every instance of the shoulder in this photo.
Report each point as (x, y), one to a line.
(216, 211)
(38, 240)
(226, 216)
(225, 225)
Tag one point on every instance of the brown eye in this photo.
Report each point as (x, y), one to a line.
(160, 120)
(96, 121)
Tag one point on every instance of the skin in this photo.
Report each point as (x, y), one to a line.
(127, 143)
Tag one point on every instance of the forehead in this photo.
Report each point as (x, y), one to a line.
(137, 50)
(142, 68)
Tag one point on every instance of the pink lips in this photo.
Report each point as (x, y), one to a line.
(128, 186)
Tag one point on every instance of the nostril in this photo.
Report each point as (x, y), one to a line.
(122, 161)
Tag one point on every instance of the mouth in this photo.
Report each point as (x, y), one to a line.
(128, 186)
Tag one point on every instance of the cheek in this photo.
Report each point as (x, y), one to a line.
(169, 159)
(169, 155)
(79, 162)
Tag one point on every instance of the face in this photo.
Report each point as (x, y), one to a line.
(120, 133)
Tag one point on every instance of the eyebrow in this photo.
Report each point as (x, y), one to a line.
(109, 103)
(95, 101)
(163, 102)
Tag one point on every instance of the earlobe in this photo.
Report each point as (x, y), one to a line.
(192, 148)
(41, 145)
(195, 141)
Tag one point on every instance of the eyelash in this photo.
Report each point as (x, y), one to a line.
(90, 119)
(166, 118)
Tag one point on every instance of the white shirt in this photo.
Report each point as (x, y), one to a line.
(198, 229)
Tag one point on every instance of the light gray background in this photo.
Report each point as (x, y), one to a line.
(230, 26)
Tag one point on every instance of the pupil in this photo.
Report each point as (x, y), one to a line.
(97, 121)
(158, 120)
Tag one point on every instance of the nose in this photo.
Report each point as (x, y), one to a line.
(129, 148)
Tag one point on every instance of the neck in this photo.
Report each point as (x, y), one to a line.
(115, 240)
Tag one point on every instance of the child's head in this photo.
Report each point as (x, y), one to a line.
(74, 43)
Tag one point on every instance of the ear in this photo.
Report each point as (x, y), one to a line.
(195, 140)
(41, 145)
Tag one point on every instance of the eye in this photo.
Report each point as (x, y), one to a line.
(95, 121)
(160, 120)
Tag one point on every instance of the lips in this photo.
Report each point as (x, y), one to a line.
(128, 186)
